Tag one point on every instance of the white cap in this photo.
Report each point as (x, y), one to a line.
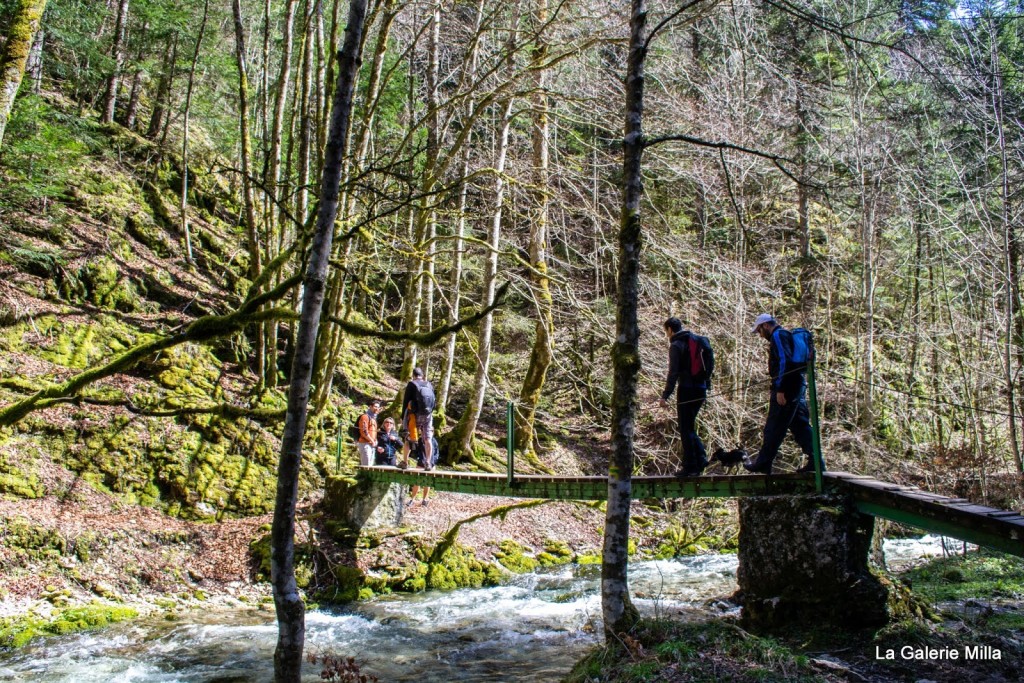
(761, 320)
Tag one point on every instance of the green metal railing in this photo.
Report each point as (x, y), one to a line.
(812, 397)
(337, 452)
(510, 440)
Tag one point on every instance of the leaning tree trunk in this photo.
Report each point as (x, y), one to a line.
(541, 356)
(288, 602)
(14, 54)
(619, 613)
(117, 52)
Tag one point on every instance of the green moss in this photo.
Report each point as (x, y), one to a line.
(18, 482)
(588, 559)
(70, 344)
(514, 558)
(17, 631)
(706, 652)
(677, 541)
(555, 553)
(107, 287)
(976, 575)
(260, 550)
(460, 568)
(27, 542)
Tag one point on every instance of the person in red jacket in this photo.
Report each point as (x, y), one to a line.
(367, 442)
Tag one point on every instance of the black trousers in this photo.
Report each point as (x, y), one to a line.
(688, 403)
(793, 418)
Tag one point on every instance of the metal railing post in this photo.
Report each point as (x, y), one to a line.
(337, 451)
(510, 438)
(812, 397)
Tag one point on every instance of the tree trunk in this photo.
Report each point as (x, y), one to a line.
(14, 54)
(1010, 255)
(272, 183)
(131, 112)
(424, 212)
(455, 293)
(466, 428)
(287, 601)
(280, 97)
(246, 154)
(329, 348)
(34, 66)
(163, 90)
(541, 356)
(183, 207)
(117, 53)
(433, 144)
(619, 613)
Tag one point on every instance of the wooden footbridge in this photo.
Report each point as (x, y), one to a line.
(956, 517)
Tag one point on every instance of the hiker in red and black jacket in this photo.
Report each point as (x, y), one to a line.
(690, 363)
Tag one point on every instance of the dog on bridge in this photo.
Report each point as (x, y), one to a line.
(730, 460)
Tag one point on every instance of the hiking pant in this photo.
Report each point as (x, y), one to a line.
(792, 417)
(688, 403)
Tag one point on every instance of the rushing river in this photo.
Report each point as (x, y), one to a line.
(532, 629)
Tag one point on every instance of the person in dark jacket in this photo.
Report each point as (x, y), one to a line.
(787, 410)
(690, 396)
(418, 416)
(389, 442)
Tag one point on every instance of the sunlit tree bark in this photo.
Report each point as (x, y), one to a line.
(14, 54)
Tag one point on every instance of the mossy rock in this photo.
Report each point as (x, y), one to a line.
(18, 483)
(555, 553)
(107, 287)
(260, 551)
(460, 568)
(28, 542)
(513, 557)
(18, 631)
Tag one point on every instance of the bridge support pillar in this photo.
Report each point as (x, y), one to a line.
(804, 559)
(362, 504)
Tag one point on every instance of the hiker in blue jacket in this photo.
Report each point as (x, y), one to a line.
(691, 394)
(787, 409)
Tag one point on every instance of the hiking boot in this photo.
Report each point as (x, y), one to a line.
(756, 468)
(806, 467)
(424, 503)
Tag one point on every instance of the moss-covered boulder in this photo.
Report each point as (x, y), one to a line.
(17, 631)
(515, 557)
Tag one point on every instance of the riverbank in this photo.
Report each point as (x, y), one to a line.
(86, 549)
(977, 634)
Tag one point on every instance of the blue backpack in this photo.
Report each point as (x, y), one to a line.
(803, 347)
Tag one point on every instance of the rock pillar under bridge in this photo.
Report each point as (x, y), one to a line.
(363, 504)
(804, 559)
